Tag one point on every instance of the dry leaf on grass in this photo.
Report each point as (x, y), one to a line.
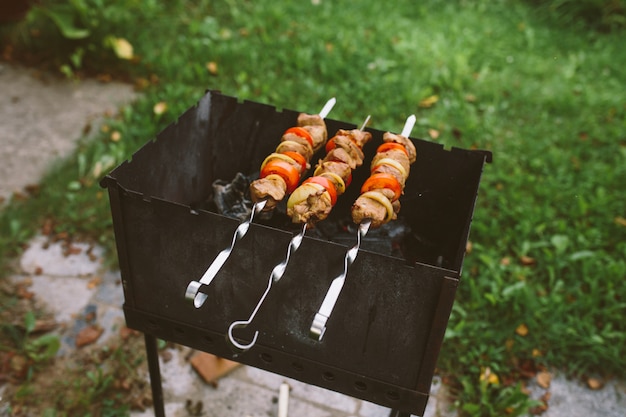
(212, 67)
(429, 101)
(522, 330)
(160, 108)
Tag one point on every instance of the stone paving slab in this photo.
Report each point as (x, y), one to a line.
(41, 118)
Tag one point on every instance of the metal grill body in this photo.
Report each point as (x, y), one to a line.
(383, 339)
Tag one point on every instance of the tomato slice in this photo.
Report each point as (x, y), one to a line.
(298, 158)
(285, 170)
(327, 184)
(391, 145)
(302, 132)
(330, 145)
(382, 180)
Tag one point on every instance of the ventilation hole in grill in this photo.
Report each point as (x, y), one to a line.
(297, 366)
(209, 340)
(328, 376)
(393, 395)
(179, 330)
(266, 357)
(360, 386)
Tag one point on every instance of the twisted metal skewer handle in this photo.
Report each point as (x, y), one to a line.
(193, 289)
(318, 327)
(275, 276)
(294, 244)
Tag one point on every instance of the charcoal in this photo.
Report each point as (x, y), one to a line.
(232, 198)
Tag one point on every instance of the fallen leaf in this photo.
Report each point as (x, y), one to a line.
(506, 261)
(126, 332)
(212, 67)
(88, 335)
(594, 383)
(211, 367)
(122, 48)
(433, 133)
(489, 376)
(116, 136)
(23, 293)
(470, 98)
(546, 397)
(94, 282)
(537, 353)
(160, 108)
(527, 260)
(104, 78)
(522, 330)
(620, 221)
(509, 343)
(429, 101)
(469, 246)
(543, 379)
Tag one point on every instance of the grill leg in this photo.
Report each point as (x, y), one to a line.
(398, 413)
(155, 375)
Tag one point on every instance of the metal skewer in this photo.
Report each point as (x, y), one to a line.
(192, 293)
(275, 276)
(318, 327)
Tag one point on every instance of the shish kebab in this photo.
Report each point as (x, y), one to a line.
(378, 204)
(312, 201)
(279, 175)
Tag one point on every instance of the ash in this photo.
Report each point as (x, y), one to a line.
(232, 198)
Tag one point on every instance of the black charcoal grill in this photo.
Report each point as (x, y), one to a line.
(383, 339)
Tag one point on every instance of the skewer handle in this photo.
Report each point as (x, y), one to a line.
(318, 327)
(408, 126)
(193, 289)
(327, 108)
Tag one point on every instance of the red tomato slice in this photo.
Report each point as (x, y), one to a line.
(330, 145)
(348, 180)
(382, 180)
(298, 158)
(391, 145)
(302, 132)
(327, 184)
(287, 172)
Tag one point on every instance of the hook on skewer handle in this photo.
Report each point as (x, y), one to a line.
(275, 276)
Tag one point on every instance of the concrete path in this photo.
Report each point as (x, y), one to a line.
(41, 119)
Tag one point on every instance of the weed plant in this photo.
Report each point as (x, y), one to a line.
(544, 282)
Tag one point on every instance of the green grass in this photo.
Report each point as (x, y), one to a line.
(547, 98)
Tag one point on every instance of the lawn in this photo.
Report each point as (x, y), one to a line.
(544, 277)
